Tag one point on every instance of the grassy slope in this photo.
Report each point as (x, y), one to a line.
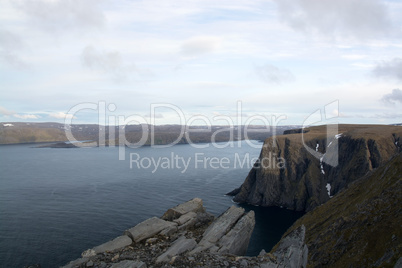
(361, 225)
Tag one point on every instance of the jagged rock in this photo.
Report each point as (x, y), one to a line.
(129, 264)
(237, 239)
(221, 227)
(115, 244)
(292, 250)
(88, 253)
(262, 252)
(148, 228)
(194, 205)
(181, 245)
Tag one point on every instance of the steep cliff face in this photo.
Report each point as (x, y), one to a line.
(300, 170)
(360, 226)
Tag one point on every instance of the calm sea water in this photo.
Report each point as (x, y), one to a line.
(56, 203)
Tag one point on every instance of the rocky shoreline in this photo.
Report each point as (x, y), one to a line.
(188, 236)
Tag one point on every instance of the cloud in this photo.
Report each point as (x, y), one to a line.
(26, 116)
(111, 62)
(337, 19)
(393, 97)
(10, 45)
(61, 115)
(59, 15)
(387, 116)
(200, 45)
(107, 61)
(272, 74)
(392, 68)
(4, 111)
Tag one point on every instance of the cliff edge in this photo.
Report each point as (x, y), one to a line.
(303, 169)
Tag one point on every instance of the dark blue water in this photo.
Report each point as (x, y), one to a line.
(56, 203)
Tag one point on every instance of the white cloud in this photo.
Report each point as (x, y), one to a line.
(340, 19)
(272, 74)
(200, 45)
(392, 68)
(62, 115)
(10, 46)
(4, 111)
(387, 116)
(112, 63)
(26, 116)
(393, 97)
(62, 15)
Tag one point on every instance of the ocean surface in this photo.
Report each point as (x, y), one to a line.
(57, 202)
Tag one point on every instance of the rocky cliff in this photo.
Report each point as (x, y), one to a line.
(303, 169)
(361, 225)
(188, 236)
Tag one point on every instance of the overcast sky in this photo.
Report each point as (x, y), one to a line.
(204, 57)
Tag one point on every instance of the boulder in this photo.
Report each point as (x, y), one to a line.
(194, 205)
(148, 228)
(185, 218)
(237, 239)
(115, 244)
(222, 225)
(219, 228)
(181, 245)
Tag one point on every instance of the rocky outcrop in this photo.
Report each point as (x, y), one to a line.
(304, 169)
(230, 233)
(149, 228)
(361, 225)
(188, 236)
(292, 250)
(195, 205)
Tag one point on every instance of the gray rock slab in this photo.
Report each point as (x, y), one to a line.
(129, 264)
(169, 230)
(292, 250)
(194, 205)
(181, 245)
(185, 218)
(218, 229)
(237, 239)
(148, 228)
(115, 244)
(222, 225)
(189, 224)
